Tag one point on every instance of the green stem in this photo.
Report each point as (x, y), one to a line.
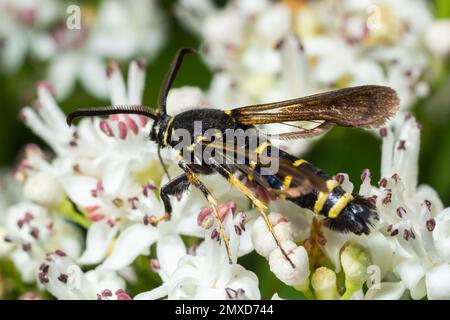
(309, 295)
(350, 289)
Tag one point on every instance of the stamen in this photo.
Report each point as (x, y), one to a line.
(339, 178)
(60, 253)
(431, 224)
(107, 293)
(401, 145)
(366, 174)
(63, 278)
(131, 124)
(154, 265)
(104, 126)
(43, 279)
(122, 130)
(122, 295)
(401, 212)
(34, 232)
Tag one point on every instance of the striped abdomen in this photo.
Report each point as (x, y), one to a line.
(329, 204)
(342, 211)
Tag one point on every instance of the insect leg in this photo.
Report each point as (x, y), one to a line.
(194, 179)
(174, 187)
(223, 171)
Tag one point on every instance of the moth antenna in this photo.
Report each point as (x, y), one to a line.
(109, 110)
(170, 77)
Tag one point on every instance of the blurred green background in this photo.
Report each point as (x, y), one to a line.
(341, 150)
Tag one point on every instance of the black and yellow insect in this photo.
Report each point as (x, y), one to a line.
(296, 180)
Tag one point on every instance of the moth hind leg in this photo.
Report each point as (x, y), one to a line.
(223, 171)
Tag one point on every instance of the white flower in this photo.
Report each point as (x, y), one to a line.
(413, 216)
(116, 30)
(121, 30)
(110, 170)
(253, 45)
(32, 231)
(21, 23)
(207, 274)
(64, 279)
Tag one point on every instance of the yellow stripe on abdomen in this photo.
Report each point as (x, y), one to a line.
(340, 205)
(323, 196)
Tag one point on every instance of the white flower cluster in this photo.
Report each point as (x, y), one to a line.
(265, 51)
(76, 40)
(105, 177)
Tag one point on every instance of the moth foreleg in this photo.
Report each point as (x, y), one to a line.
(173, 188)
(194, 179)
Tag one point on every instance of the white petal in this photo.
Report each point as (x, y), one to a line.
(184, 98)
(412, 274)
(441, 233)
(386, 291)
(116, 85)
(169, 250)
(438, 282)
(13, 53)
(333, 246)
(130, 244)
(50, 112)
(380, 251)
(136, 82)
(98, 240)
(114, 174)
(246, 280)
(78, 189)
(62, 73)
(93, 77)
(245, 240)
(154, 294)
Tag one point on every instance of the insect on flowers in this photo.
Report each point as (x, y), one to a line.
(249, 161)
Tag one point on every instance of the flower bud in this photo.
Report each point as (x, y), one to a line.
(283, 269)
(43, 189)
(355, 262)
(263, 240)
(323, 282)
